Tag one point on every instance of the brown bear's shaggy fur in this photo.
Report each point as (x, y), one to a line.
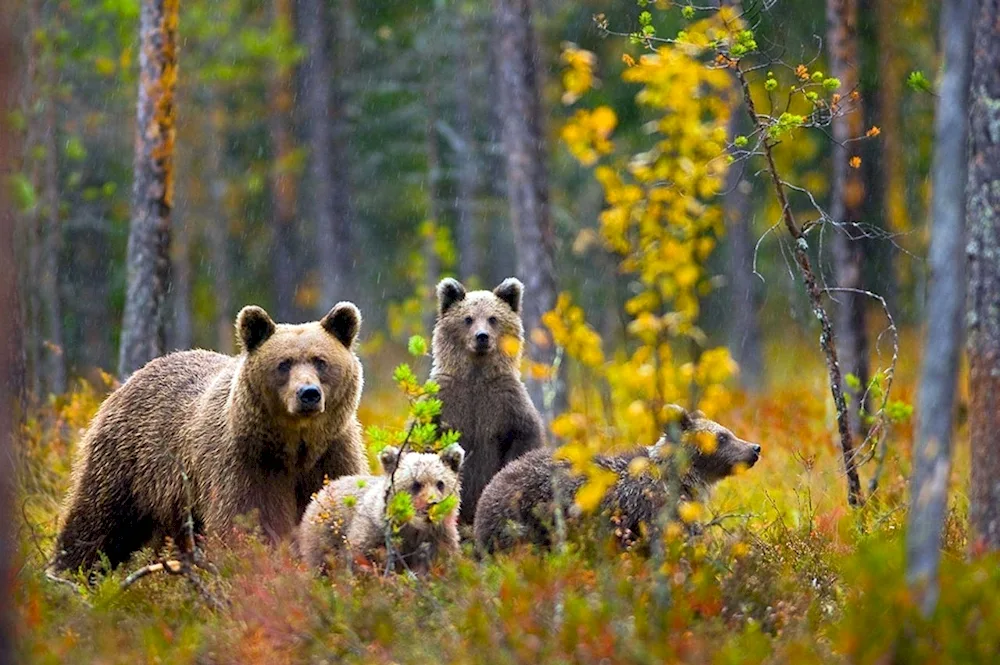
(227, 435)
(518, 507)
(347, 516)
(477, 357)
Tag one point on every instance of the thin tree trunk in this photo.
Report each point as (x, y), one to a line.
(218, 230)
(946, 297)
(527, 180)
(432, 262)
(152, 188)
(847, 197)
(470, 261)
(29, 290)
(744, 328)
(53, 347)
(327, 141)
(984, 278)
(9, 344)
(283, 190)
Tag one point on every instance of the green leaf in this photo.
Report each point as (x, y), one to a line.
(442, 509)
(400, 509)
(417, 346)
(23, 192)
(918, 82)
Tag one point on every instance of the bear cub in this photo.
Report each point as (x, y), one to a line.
(219, 435)
(476, 352)
(347, 517)
(518, 505)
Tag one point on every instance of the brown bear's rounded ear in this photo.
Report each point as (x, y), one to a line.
(510, 291)
(453, 456)
(449, 292)
(683, 419)
(254, 327)
(389, 457)
(343, 322)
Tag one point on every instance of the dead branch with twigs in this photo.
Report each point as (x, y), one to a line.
(190, 559)
(761, 142)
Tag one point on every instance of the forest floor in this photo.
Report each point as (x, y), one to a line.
(789, 575)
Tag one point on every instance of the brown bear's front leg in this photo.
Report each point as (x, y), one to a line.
(103, 522)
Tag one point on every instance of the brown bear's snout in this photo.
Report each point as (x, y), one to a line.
(310, 398)
(482, 341)
(755, 453)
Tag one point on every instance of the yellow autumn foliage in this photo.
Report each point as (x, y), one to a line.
(661, 221)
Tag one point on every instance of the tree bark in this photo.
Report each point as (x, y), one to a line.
(282, 181)
(527, 180)
(53, 346)
(983, 209)
(432, 262)
(327, 135)
(847, 197)
(468, 235)
(945, 301)
(744, 327)
(218, 230)
(9, 343)
(152, 188)
(182, 332)
(29, 285)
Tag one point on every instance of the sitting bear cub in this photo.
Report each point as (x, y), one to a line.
(347, 516)
(477, 363)
(518, 505)
(220, 436)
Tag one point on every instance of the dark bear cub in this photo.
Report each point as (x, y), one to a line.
(518, 506)
(219, 435)
(477, 356)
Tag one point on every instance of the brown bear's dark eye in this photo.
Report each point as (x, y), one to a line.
(493, 320)
(722, 438)
(284, 366)
(416, 487)
(468, 320)
(440, 486)
(319, 364)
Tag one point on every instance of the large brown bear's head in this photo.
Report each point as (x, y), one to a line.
(714, 451)
(302, 372)
(478, 330)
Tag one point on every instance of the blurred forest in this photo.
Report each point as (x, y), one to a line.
(758, 209)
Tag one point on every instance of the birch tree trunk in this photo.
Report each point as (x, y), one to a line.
(152, 188)
(527, 179)
(945, 304)
(847, 196)
(983, 209)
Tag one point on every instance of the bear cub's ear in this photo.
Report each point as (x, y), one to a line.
(453, 456)
(449, 292)
(343, 322)
(254, 327)
(389, 457)
(510, 291)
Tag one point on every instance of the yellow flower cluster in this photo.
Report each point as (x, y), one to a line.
(569, 330)
(587, 134)
(578, 75)
(662, 219)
